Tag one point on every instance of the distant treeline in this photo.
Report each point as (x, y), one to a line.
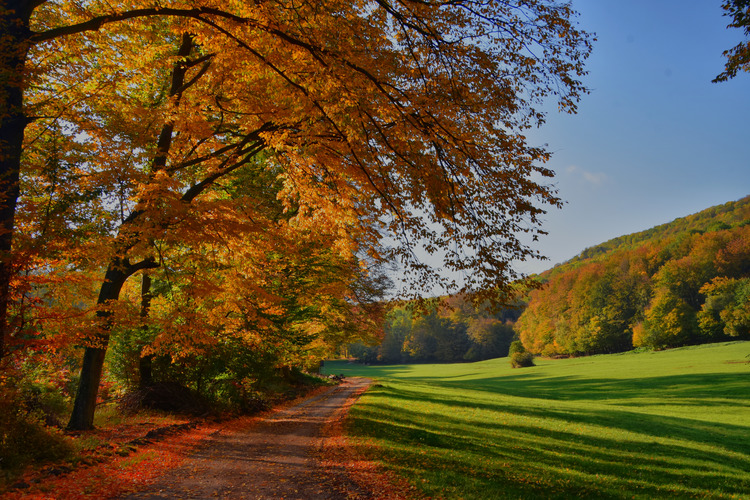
(687, 282)
(452, 330)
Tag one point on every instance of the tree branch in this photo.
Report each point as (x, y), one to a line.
(147, 263)
(97, 22)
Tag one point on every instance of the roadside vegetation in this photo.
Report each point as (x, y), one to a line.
(37, 456)
(666, 424)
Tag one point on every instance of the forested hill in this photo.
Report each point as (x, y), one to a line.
(728, 215)
(686, 282)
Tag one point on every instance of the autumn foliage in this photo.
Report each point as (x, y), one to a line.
(678, 285)
(206, 193)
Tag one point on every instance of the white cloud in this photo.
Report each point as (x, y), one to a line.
(595, 178)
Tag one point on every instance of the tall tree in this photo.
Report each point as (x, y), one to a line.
(14, 46)
(419, 104)
(406, 118)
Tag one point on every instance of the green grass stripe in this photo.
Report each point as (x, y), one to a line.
(670, 424)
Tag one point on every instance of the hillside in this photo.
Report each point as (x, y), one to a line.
(685, 282)
(728, 215)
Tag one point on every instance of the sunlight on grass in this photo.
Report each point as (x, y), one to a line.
(670, 424)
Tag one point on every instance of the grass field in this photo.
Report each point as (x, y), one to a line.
(668, 424)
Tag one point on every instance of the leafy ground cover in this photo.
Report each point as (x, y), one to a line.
(110, 460)
(666, 424)
(126, 451)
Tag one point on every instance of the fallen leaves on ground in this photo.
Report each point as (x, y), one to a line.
(357, 477)
(131, 459)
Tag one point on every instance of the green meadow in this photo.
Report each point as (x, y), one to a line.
(665, 424)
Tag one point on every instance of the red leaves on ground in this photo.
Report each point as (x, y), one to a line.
(120, 474)
(359, 478)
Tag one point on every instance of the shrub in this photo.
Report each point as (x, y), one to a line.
(516, 346)
(521, 359)
(23, 438)
(519, 356)
(165, 396)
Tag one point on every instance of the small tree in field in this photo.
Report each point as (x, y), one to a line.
(519, 356)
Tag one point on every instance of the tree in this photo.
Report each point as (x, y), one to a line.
(405, 118)
(398, 324)
(435, 96)
(490, 338)
(738, 57)
(726, 311)
(669, 322)
(519, 356)
(421, 341)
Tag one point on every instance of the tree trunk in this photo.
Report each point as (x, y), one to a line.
(118, 271)
(82, 417)
(14, 26)
(145, 363)
(145, 371)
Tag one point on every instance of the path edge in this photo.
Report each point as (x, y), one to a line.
(347, 470)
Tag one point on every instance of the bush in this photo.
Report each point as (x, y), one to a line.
(521, 359)
(165, 396)
(519, 356)
(24, 439)
(516, 346)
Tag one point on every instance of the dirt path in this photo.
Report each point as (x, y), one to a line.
(273, 459)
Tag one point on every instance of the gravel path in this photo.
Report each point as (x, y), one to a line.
(273, 459)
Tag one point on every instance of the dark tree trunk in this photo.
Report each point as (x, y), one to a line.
(145, 370)
(118, 271)
(145, 363)
(82, 417)
(93, 358)
(14, 27)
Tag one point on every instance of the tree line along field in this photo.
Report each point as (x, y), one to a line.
(653, 424)
(682, 283)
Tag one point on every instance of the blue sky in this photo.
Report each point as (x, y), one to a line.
(655, 140)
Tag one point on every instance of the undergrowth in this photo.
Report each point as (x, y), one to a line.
(32, 437)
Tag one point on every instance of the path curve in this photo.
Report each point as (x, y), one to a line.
(272, 459)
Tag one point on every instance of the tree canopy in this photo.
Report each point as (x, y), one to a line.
(228, 143)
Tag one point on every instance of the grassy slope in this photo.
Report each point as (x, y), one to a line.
(669, 424)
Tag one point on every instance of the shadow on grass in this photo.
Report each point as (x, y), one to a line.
(529, 457)
(714, 387)
(732, 437)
